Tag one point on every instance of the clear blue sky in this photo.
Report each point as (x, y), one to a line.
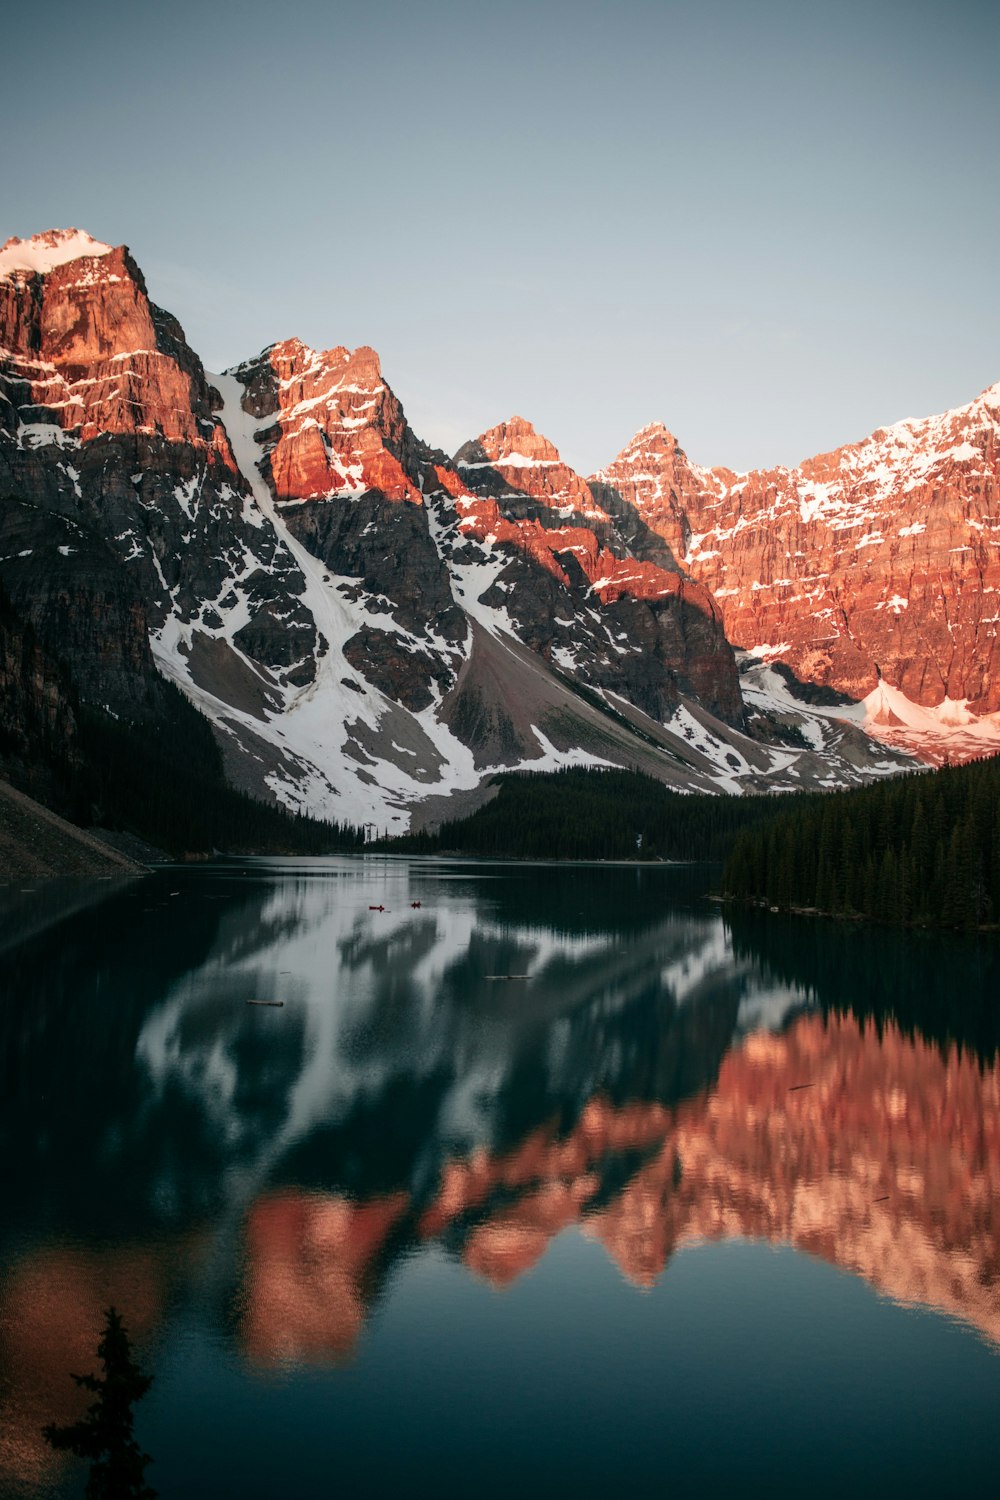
(772, 226)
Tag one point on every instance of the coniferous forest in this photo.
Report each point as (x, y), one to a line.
(171, 790)
(588, 813)
(922, 849)
(919, 850)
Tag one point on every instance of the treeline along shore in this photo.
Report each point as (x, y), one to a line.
(591, 813)
(915, 850)
(920, 850)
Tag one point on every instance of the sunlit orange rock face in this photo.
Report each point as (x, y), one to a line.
(121, 482)
(881, 558)
(517, 494)
(610, 577)
(338, 429)
(309, 1273)
(530, 465)
(84, 345)
(512, 469)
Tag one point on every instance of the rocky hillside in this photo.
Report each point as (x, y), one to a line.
(873, 570)
(372, 627)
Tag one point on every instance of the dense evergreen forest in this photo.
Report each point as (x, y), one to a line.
(588, 813)
(168, 787)
(921, 849)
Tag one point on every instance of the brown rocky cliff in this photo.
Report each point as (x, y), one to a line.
(520, 465)
(659, 632)
(97, 357)
(338, 430)
(878, 560)
(106, 421)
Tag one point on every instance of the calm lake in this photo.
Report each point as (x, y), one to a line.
(540, 1180)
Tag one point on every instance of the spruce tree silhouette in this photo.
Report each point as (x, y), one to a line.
(104, 1435)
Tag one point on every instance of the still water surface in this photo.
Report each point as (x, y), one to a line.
(544, 1179)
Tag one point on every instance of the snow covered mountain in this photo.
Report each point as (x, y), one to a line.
(370, 627)
(873, 570)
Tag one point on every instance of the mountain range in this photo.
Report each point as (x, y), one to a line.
(373, 628)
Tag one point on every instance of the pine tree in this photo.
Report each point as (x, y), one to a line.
(104, 1435)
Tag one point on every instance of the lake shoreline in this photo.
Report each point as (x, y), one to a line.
(37, 844)
(759, 903)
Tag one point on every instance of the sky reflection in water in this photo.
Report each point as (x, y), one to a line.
(307, 1212)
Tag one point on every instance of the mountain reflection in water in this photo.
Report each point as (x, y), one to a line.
(525, 1050)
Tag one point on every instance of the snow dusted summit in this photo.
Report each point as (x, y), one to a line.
(373, 628)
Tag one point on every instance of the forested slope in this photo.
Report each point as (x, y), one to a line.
(922, 849)
(585, 813)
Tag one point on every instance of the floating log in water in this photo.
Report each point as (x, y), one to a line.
(796, 1086)
(265, 1002)
(506, 976)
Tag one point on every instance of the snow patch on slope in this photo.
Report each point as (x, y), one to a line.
(43, 252)
(342, 749)
(946, 731)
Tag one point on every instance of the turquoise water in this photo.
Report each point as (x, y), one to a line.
(540, 1178)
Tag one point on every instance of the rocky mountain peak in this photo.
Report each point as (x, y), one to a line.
(44, 252)
(516, 444)
(86, 352)
(654, 438)
(653, 477)
(868, 568)
(654, 453)
(338, 431)
(522, 471)
(293, 360)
